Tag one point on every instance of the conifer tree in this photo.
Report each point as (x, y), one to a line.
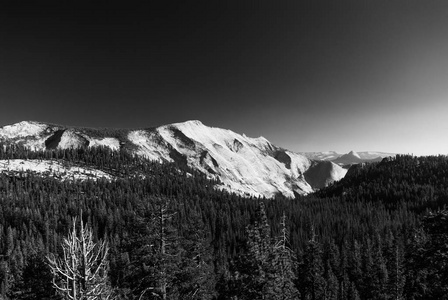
(281, 276)
(433, 254)
(397, 277)
(369, 278)
(7, 274)
(160, 258)
(253, 266)
(353, 293)
(5, 277)
(267, 268)
(196, 277)
(355, 264)
(332, 284)
(342, 270)
(312, 270)
(381, 276)
(416, 284)
(36, 280)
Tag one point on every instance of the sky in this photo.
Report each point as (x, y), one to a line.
(307, 75)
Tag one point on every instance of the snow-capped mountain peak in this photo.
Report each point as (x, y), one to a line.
(354, 154)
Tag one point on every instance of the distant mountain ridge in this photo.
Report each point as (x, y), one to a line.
(349, 158)
(240, 164)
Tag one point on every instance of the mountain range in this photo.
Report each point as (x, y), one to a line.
(239, 164)
(349, 158)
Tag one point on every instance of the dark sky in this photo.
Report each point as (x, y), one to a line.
(307, 75)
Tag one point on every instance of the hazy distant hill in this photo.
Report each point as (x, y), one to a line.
(348, 158)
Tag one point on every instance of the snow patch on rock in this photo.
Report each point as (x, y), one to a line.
(111, 143)
(22, 129)
(149, 146)
(70, 139)
(51, 168)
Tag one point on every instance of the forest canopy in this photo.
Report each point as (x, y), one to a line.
(380, 233)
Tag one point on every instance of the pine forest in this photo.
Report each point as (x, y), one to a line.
(161, 231)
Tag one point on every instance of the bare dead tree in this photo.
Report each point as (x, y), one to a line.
(81, 272)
